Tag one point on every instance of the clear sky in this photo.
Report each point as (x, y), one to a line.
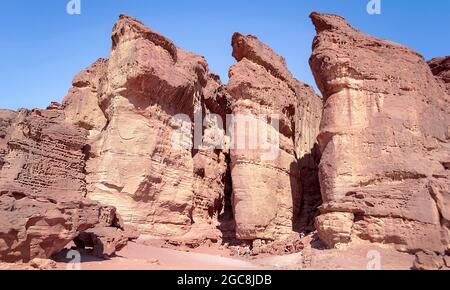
(42, 47)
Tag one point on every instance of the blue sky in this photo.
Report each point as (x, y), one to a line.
(42, 47)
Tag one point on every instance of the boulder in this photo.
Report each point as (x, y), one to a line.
(428, 261)
(335, 228)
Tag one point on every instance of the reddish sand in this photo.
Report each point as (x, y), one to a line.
(143, 257)
(151, 254)
(149, 257)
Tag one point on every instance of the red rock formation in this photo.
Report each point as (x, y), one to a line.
(262, 87)
(441, 69)
(81, 105)
(41, 185)
(106, 238)
(146, 82)
(384, 137)
(143, 131)
(6, 118)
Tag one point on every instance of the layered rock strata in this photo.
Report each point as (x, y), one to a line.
(441, 69)
(276, 122)
(42, 185)
(385, 141)
(158, 158)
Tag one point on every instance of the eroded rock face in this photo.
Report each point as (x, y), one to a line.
(266, 182)
(384, 137)
(42, 185)
(106, 238)
(160, 188)
(143, 131)
(440, 67)
(81, 105)
(6, 118)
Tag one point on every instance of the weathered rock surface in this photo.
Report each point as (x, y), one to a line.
(6, 118)
(160, 188)
(144, 132)
(42, 184)
(81, 105)
(264, 164)
(428, 261)
(42, 264)
(384, 137)
(440, 67)
(108, 237)
(335, 227)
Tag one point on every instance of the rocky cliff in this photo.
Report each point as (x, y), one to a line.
(263, 89)
(441, 69)
(152, 136)
(42, 185)
(385, 141)
(147, 93)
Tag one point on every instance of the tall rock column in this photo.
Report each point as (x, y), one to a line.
(384, 137)
(160, 185)
(267, 188)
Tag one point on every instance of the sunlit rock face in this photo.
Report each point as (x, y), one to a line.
(81, 105)
(144, 85)
(42, 185)
(150, 133)
(267, 183)
(384, 137)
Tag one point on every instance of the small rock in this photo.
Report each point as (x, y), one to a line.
(43, 264)
(428, 261)
(153, 262)
(447, 261)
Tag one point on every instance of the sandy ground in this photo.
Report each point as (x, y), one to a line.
(148, 257)
(153, 254)
(142, 257)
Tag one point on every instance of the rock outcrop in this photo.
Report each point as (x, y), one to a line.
(42, 185)
(81, 104)
(441, 69)
(6, 118)
(385, 138)
(157, 158)
(150, 142)
(265, 154)
(106, 238)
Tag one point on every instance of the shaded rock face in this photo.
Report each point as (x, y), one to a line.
(42, 184)
(384, 137)
(106, 238)
(441, 69)
(6, 118)
(267, 189)
(160, 188)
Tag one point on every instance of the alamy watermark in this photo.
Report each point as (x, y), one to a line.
(74, 258)
(73, 7)
(374, 7)
(374, 258)
(242, 132)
